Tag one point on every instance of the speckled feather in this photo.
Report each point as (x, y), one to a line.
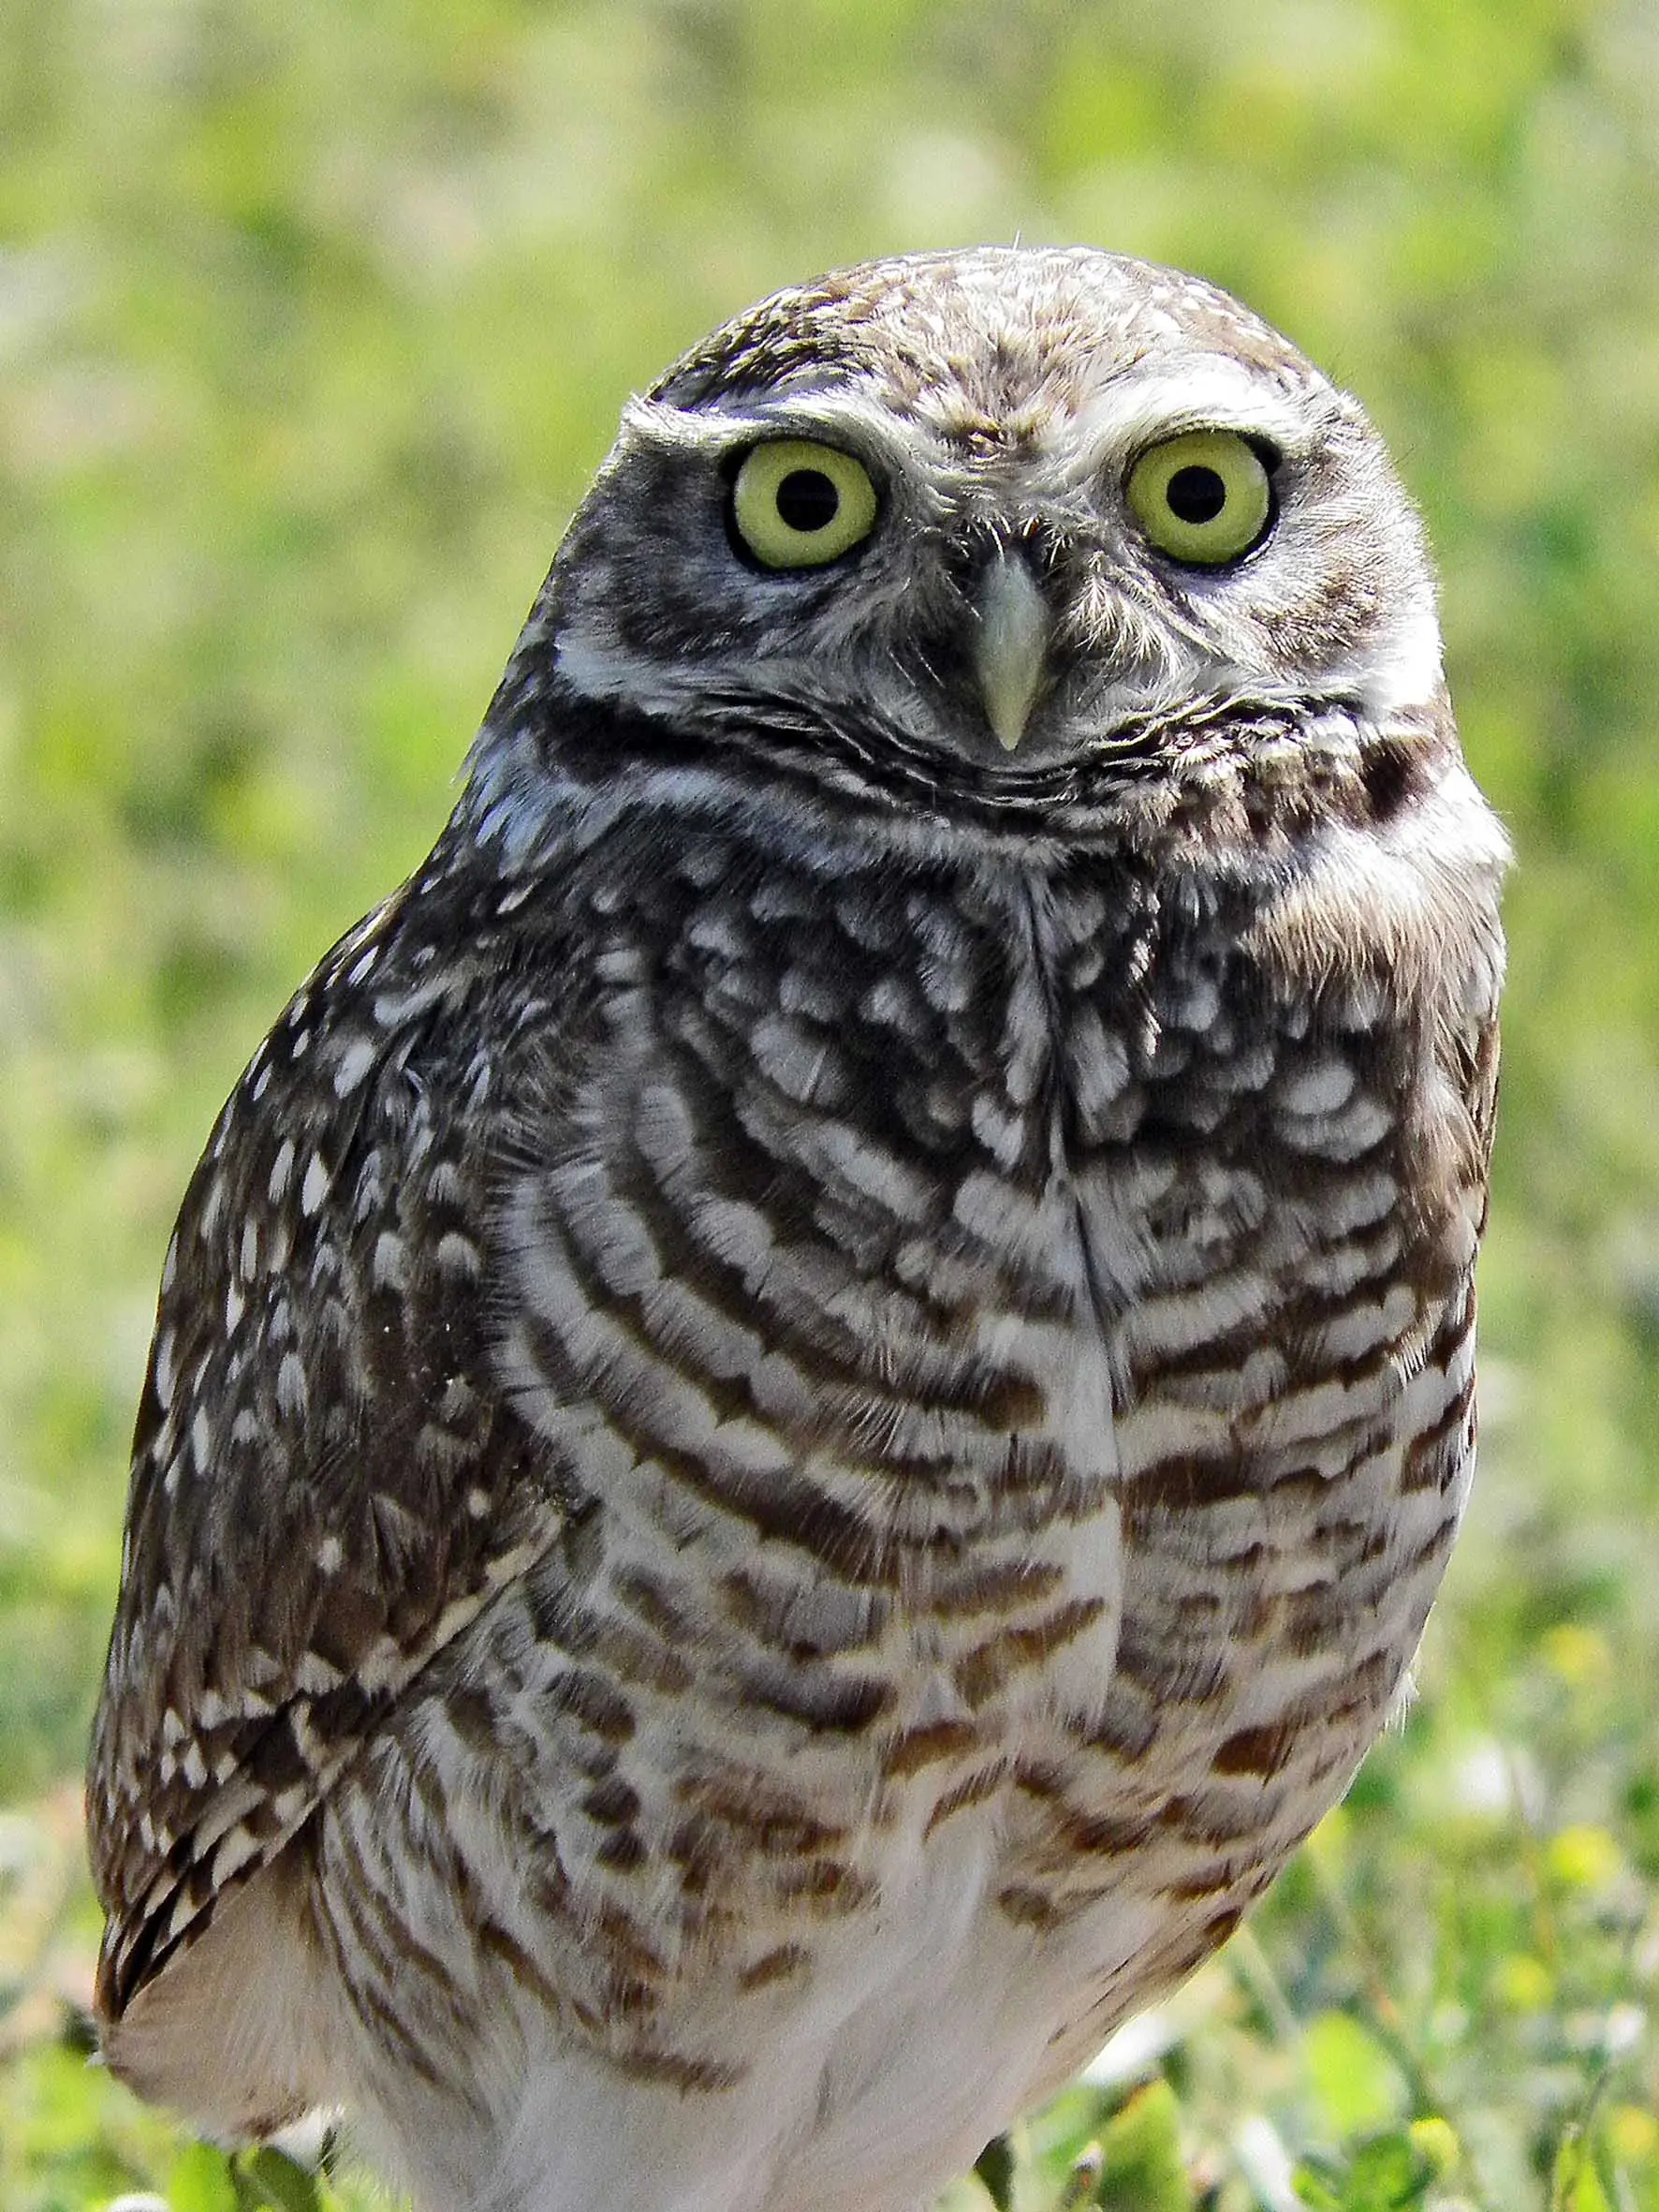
(808, 1405)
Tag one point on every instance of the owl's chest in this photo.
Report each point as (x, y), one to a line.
(898, 1258)
(887, 1200)
(834, 1223)
(989, 1349)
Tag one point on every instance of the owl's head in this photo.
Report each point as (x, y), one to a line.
(1000, 523)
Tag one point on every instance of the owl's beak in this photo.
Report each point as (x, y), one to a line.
(1010, 643)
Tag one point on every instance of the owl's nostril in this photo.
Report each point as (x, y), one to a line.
(1010, 642)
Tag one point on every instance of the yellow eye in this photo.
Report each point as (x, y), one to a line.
(798, 505)
(1203, 498)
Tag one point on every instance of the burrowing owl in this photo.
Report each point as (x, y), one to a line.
(807, 1405)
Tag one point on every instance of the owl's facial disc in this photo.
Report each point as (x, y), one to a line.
(964, 523)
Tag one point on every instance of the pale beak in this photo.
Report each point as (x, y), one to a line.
(1010, 643)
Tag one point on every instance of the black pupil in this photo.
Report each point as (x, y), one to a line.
(807, 500)
(1195, 494)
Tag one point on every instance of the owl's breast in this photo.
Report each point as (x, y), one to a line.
(990, 1277)
(1013, 1383)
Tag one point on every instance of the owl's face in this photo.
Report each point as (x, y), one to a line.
(992, 511)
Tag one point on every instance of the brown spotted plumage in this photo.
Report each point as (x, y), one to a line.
(808, 1404)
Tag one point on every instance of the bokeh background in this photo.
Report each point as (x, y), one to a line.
(313, 319)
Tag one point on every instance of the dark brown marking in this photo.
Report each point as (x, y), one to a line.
(829, 1887)
(975, 1790)
(612, 1803)
(624, 1946)
(982, 1673)
(921, 1746)
(1106, 1836)
(494, 1941)
(1189, 1483)
(1220, 1925)
(1128, 1728)
(590, 1699)
(782, 1965)
(1433, 1455)
(750, 1806)
(823, 1701)
(647, 1598)
(622, 1850)
(1391, 772)
(976, 1590)
(1028, 1906)
(471, 1713)
(1257, 1751)
(649, 2062)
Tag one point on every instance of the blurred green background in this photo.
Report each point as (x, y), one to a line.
(314, 319)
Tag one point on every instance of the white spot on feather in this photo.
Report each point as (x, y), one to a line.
(316, 1186)
(353, 1065)
(282, 1169)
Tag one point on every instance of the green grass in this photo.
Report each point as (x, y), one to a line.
(313, 320)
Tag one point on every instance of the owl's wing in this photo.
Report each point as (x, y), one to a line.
(326, 1484)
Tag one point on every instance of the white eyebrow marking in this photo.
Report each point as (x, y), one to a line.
(1133, 404)
(1162, 398)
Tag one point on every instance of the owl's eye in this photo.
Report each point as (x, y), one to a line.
(1203, 498)
(795, 504)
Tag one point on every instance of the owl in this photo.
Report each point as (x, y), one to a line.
(807, 1405)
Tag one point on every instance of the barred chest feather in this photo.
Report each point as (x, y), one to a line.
(1006, 1338)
